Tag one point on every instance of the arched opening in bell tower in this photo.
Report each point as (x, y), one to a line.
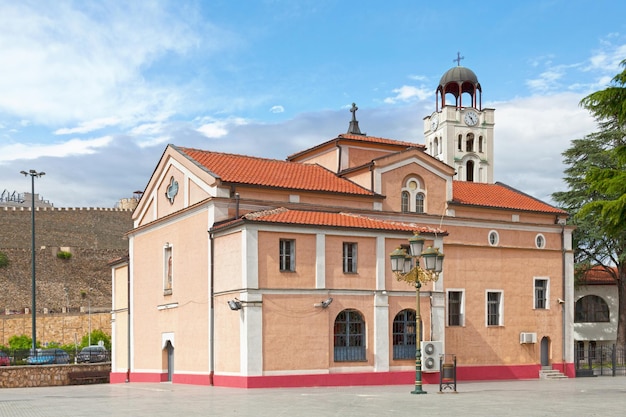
(469, 171)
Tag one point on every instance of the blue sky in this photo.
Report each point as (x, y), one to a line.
(92, 92)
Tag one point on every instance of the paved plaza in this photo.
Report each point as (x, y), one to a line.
(581, 397)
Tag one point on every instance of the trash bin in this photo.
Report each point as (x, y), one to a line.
(447, 373)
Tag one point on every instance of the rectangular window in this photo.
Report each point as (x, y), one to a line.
(541, 293)
(455, 308)
(287, 255)
(168, 269)
(349, 257)
(494, 308)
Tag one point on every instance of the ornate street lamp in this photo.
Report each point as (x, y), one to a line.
(406, 267)
(33, 174)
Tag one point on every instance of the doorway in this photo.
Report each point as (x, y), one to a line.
(545, 351)
(169, 354)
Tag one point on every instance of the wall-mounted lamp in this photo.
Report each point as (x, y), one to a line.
(167, 245)
(324, 303)
(560, 301)
(235, 304)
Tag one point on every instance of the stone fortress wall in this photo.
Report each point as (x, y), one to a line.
(67, 289)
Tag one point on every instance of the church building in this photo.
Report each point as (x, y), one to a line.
(253, 272)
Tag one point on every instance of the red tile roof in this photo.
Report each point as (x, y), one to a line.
(498, 196)
(249, 170)
(401, 145)
(349, 220)
(598, 275)
(385, 141)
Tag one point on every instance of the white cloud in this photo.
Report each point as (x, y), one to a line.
(26, 151)
(547, 81)
(277, 109)
(61, 65)
(530, 136)
(408, 93)
(89, 126)
(218, 128)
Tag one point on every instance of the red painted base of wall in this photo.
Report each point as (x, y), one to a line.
(464, 373)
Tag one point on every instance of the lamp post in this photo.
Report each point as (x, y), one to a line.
(33, 174)
(406, 267)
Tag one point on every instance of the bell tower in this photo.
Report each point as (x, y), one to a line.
(460, 130)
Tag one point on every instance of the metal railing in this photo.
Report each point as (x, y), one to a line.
(18, 357)
(601, 360)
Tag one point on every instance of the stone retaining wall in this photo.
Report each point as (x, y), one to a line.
(64, 329)
(43, 375)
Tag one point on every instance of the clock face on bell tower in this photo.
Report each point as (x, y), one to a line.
(460, 131)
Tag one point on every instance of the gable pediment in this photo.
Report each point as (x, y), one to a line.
(175, 184)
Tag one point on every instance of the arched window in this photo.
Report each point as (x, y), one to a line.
(480, 144)
(349, 340)
(404, 335)
(460, 145)
(413, 197)
(469, 171)
(419, 202)
(469, 143)
(405, 201)
(591, 309)
(436, 147)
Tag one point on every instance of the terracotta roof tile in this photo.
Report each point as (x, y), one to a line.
(349, 220)
(597, 275)
(249, 170)
(401, 145)
(498, 196)
(373, 139)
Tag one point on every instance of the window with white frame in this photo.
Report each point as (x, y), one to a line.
(413, 197)
(456, 307)
(419, 202)
(494, 308)
(287, 255)
(542, 293)
(168, 269)
(405, 202)
(349, 257)
(540, 241)
(494, 238)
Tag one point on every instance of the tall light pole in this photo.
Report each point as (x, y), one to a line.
(405, 270)
(33, 174)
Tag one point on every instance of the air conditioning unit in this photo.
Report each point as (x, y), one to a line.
(431, 350)
(527, 337)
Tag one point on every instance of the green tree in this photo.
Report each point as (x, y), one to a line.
(21, 342)
(96, 336)
(596, 178)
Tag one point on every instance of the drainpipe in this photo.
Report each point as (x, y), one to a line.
(128, 315)
(212, 311)
(562, 222)
(236, 205)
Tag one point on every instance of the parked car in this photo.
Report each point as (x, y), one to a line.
(4, 359)
(48, 357)
(93, 354)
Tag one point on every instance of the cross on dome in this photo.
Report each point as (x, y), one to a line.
(458, 59)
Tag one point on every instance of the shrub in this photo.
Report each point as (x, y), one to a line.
(21, 342)
(64, 254)
(4, 260)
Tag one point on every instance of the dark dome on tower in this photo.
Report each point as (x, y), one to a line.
(459, 81)
(458, 74)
